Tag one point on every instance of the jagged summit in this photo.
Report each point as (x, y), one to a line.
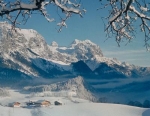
(54, 44)
(21, 40)
(82, 50)
(86, 46)
(76, 41)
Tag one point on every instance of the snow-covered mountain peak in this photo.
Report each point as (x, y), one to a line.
(28, 33)
(6, 27)
(21, 40)
(54, 44)
(76, 41)
(85, 49)
(86, 43)
(5, 24)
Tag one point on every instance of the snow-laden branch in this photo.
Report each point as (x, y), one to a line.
(126, 17)
(12, 10)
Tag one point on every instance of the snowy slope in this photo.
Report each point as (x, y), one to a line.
(83, 109)
(74, 107)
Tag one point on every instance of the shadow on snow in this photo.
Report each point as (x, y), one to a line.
(146, 113)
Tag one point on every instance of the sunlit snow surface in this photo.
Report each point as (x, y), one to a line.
(73, 107)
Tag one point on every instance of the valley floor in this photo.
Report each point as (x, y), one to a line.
(69, 107)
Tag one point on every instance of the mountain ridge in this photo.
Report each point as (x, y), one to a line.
(26, 51)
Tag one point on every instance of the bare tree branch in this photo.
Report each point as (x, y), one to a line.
(124, 18)
(25, 9)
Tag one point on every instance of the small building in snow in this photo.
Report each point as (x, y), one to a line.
(33, 104)
(15, 104)
(58, 103)
(39, 103)
(44, 103)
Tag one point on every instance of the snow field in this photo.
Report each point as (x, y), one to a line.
(70, 107)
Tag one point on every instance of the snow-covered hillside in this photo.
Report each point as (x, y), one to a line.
(79, 85)
(69, 107)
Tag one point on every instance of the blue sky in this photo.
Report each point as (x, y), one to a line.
(90, 27)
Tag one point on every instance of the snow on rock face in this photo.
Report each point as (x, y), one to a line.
(85, 50)
(18, 48)
(54, 44)
(22, 40)
(78, 50)
(75, 86)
